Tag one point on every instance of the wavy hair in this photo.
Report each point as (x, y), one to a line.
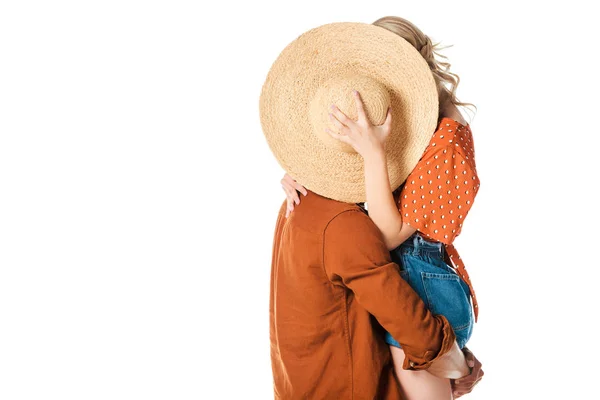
(445, 80)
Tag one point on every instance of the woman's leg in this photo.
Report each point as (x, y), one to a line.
(419, 385)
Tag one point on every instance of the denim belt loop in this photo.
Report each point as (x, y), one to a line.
(425, 247)
(417, 244)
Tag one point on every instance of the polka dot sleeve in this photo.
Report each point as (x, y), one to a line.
(439, 193)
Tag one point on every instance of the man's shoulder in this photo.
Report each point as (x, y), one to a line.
(315, 213)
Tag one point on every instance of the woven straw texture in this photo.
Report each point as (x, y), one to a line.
(320, 68)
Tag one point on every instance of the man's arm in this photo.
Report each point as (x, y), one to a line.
(356, 257)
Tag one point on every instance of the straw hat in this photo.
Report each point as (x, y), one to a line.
(322, 67)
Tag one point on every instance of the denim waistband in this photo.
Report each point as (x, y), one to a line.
(417, 245)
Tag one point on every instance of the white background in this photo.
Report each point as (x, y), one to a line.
(138, 195)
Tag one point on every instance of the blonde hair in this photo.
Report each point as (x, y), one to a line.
(445, 80)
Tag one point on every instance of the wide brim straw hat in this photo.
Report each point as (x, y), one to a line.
(321, 67)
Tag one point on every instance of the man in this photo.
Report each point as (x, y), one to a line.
(332, 285)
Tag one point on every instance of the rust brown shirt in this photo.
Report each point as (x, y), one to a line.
(333, 287)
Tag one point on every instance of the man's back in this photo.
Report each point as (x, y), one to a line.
(331, 273)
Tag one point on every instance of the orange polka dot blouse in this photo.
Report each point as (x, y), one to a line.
(438, 194)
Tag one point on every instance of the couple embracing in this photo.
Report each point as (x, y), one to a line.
(369, 298)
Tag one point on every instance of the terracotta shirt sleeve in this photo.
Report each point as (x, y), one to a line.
(439, 193)
(355, 256)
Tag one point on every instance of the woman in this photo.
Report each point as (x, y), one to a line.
(422, 218)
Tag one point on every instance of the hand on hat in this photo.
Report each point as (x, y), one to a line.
(366, 139)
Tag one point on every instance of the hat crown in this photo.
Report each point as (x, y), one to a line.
(320, 68)
(338, 91)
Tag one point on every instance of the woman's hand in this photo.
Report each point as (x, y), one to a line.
(365, 138)
(291, 189)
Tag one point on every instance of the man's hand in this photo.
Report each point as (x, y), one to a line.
(450, 365)
(465, 384)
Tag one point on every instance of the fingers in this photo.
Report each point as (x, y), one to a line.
(476, 368)
(291, 188)
(299, 188)
(464, 389)
(341, 128)
(466, 384)
(295, 184)
(360, 108)
(341, 117)
(290, 192)
(473, 362)
(294, 196)
(388, 119)
(461, 391)
(337, 136)
(290, 208)
(290, 205)
(469, 357)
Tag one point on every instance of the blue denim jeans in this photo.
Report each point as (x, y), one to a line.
(422, 265)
